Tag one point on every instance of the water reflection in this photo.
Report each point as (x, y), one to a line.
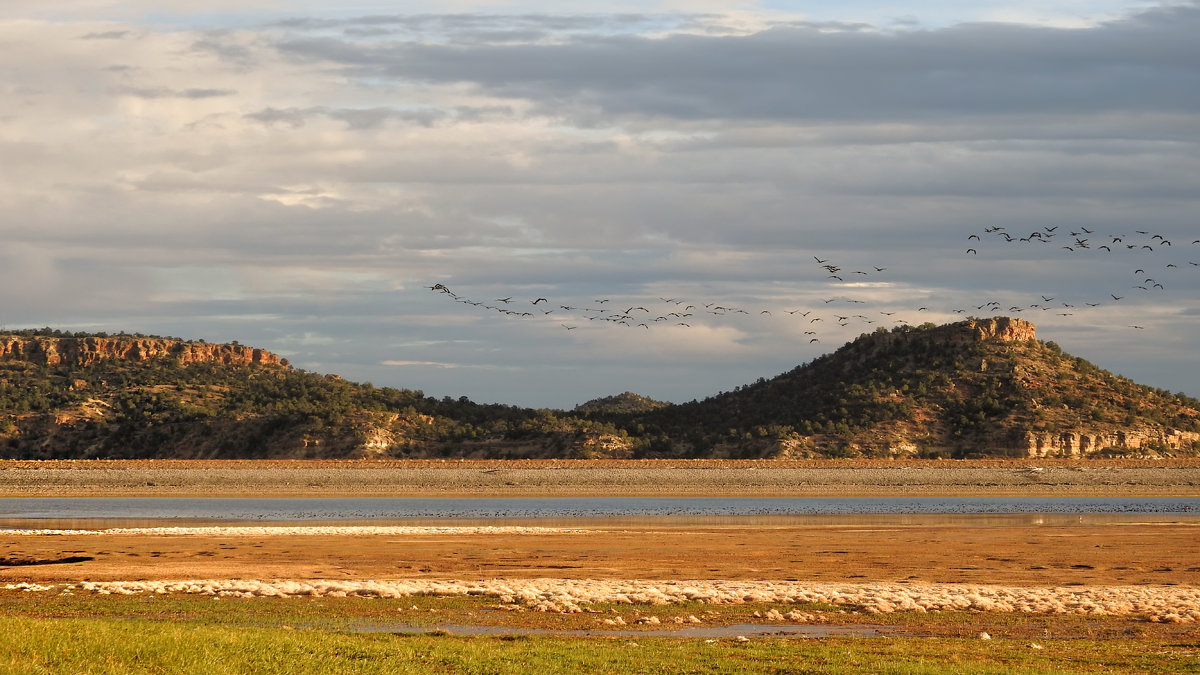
(743, 629)
(134, 512)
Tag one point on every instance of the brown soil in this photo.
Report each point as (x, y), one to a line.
(935, 549)
(1033, 478)
(1011, 550)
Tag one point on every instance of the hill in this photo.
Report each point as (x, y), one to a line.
(627, 402)
(66, 395)
(974, 388)
(981, 387)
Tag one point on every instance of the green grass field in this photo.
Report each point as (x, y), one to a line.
(50, 633)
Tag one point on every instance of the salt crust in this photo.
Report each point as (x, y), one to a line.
(1155, 603)
(266, 531)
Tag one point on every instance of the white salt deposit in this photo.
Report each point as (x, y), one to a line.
(1172, 604)
(333, 530)
(29, 587)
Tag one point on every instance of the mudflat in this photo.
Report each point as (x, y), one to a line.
(1007, 550)
(1118, 559)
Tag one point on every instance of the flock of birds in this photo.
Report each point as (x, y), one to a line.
(1150, 272)
(1141, 253)
(679, 312)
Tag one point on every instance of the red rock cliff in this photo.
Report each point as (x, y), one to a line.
(1002, 329)
(995, 329)
(84, 351)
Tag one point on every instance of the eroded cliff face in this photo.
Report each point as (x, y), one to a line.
(1002, 329)
(999, 329)
(1085, 443)
(85, 351)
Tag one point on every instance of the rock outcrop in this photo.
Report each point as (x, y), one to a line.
(85, 351)
(999, 329)
(1086, 443)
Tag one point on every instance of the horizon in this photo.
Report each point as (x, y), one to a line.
(615, 394)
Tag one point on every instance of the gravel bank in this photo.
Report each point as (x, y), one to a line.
(1157, 604)
(1175, 478)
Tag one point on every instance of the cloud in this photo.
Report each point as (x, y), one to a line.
(433, 364)
(805, 72)
(298, 181)
(107, 35)
(354, 118)
(167, 92)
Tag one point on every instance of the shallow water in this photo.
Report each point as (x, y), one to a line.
(743, 629)
(376, 509)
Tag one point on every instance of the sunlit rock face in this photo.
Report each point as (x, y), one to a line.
(1083, 443)
(85, 351)
(1003, 329)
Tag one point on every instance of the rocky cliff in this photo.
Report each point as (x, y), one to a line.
(85, 351)
(999, 329)
(1149, 440)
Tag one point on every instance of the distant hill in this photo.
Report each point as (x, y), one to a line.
(983, 387)
(65, 395)
(626, 403)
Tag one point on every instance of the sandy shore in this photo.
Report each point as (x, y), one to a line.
(1143, 568)
(1008, 550)
(1139, 566)
(877, 478)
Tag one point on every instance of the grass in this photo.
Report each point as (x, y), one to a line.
(146, 646)
(50, 633)
(423, 612)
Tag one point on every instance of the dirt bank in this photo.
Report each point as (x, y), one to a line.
(1004, 550)
(1091, 478)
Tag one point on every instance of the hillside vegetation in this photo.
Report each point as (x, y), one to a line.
(973, 388)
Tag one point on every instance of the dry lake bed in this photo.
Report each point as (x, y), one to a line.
(1133, 576)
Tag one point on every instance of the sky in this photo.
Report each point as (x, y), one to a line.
(542, 203)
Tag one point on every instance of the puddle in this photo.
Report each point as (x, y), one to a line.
(743, 629)
(405, 509)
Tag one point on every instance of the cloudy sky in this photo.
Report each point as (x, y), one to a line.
(298, 175)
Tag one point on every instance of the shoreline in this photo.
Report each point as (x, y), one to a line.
(594, 478)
